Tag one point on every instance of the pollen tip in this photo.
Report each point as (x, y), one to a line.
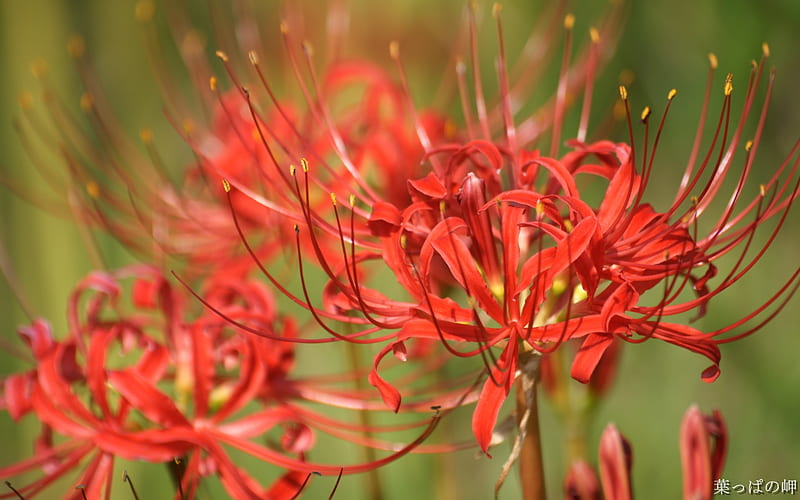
(594, 34)
(352, 200)
(253, 57)
(212, 83)
(672, 93)
(146, 135)
(93, 189)
(765, 49)
(748, 146)
(403, 241)
(284, 28)
(442, 207)
(496, 8)
(645, 113)
(304, 164)
(222, 55)
(569, 21)
(712, 60)
(333, 199)
(297, 229)
(729, 84)
(226, 185)
(394, 49)
(292, 170)
(144, 10)
(623, 92)
(762, 190)
(76, 46)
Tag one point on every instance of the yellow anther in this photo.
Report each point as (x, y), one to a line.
(76, 46)
(568, 226)
(623, 93)
(226, 185)
(253, 57)
(333, 199)
(222, 55)
(25, 99)
(86, 101)
(496, 8)
(296, 228)
(352, 200)
(394, 49)
(569, 21)
(765, 49)
(729, 84)
(645, 113)
(694, 200)
(144, 10)
(292, 170)
(304, 164)
(93, 189)
(748, 146)
(146, 135)
(284, 28)
(594, 35)
(403, 241)
(212, 83)
(442, 207)
(672, 94)
(762, 190)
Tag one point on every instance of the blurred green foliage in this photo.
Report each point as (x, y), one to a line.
(664, 44)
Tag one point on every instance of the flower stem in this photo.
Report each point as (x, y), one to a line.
(531, 469)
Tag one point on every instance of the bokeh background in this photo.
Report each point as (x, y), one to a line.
(663, 44)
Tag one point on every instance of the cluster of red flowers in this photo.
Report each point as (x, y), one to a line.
(495, 252)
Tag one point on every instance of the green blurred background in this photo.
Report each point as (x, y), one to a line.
(664, 44)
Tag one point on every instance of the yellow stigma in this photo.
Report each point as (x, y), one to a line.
(748, 146)
(712, 60)
(76, 46)
(729, 84)
(765, 49)
(86, 101)
(222, 55)
(226, 185)
(93, 189)
(569, 21)
(146, 135)
(623, 93)
(304, 164)
(333, 199)
(253, 57)
(645, 113)
(394, 49)
(672, 94)
(594, 35)
(212, 83)
(144, 10)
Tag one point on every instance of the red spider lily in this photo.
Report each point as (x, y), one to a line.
(703, 444)
(158, 387)
(536, 265)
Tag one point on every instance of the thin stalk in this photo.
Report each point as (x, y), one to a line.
(531, 468)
